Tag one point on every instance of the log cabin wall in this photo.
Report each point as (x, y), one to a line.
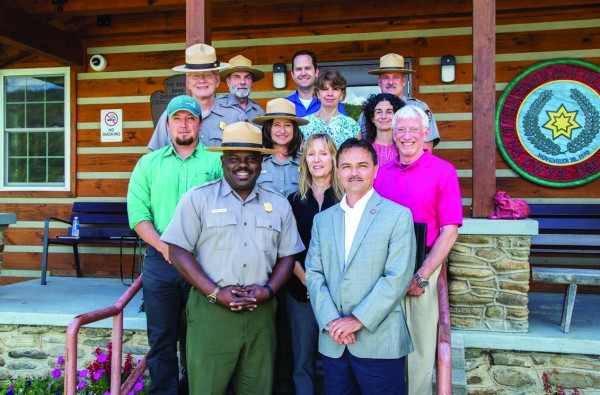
(141, 49)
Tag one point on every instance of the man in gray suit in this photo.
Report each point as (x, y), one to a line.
(358, 268)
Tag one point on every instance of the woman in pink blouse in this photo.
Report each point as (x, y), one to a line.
(379, 110)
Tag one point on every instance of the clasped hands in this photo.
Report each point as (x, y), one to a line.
(343, 330)
(240, 298)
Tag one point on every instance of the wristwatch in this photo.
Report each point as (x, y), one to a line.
(421, 282)
(212, 297)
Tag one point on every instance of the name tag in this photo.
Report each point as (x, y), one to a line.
(263, 171)
(218, 210)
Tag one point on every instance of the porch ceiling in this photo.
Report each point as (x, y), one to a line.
(58, 31)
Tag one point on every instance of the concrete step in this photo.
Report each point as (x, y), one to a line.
(459, 377)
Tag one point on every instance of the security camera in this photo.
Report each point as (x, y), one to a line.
(98, 62)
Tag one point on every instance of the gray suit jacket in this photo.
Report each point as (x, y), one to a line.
(374, 280)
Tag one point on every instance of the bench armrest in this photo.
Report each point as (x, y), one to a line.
(47, 226)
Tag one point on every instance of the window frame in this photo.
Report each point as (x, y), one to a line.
(356, 73)
(64, 72)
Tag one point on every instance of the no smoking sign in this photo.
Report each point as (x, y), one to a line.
(111, 125)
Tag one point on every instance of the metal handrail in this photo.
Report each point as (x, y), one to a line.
(115, 311)
(444, 344)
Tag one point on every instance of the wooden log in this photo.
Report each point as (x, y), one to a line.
(547, 275)
(484, 77)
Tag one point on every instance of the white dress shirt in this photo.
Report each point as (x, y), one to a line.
(352, 216)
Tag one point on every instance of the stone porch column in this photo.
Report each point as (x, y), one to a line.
(488, 275)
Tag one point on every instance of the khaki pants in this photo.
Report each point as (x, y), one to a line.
(421, 317)
(223, 345)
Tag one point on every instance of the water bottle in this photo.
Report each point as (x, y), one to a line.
(75, 227)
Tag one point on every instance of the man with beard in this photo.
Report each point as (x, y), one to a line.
(234, 242)
(157, 183)
(304, 73)
(202, 79)
(240, 77)
(391, 79)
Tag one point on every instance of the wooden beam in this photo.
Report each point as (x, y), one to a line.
(28, 33)
(198, 28)
(484, 105)
(100, 7)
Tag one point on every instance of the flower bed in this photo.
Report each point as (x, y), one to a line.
(93, 380)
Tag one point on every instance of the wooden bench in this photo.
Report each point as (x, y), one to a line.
(567, 232)
(100, 223)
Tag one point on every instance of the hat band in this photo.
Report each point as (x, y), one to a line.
(242, 145)
(199, 66)
(393, 68)
(280, 114)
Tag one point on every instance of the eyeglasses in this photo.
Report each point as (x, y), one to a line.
(411, 130)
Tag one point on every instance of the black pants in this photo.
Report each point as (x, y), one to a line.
(165, 297)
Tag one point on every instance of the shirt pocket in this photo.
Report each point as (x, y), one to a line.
(222, 227)
(215, 136)
(294, 178)
(267, 232)
(265, 179)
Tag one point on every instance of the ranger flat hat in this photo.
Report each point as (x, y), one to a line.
(242, 136)
(199, 58)
(280, 109)
(242, 63)
(390, 63)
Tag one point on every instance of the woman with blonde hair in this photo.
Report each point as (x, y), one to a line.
(318, 190)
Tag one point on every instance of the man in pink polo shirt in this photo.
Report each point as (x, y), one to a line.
(428, 186)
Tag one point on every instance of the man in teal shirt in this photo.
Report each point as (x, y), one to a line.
(158, 181)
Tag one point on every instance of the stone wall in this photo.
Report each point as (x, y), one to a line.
(28, 351)
(488, 283)
(493, 372)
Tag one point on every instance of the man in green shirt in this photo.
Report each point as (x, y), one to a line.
(158, 181)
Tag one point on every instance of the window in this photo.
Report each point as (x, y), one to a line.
(35, 129)
(361, 84)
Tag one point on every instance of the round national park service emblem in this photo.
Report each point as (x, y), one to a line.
(548, 123)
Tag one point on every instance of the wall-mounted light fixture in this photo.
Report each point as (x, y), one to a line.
(448, 63)
(279, 77)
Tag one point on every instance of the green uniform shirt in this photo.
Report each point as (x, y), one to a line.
(161, 178)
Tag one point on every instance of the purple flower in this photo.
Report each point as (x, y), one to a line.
(56, 373)
(98, 375)
(81, 385)
(102, 358)
(60, 360)
(138, 386)
(106, 393)
(83, 373)
(130, 393)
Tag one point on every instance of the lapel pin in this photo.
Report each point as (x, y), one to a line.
(268, 207)
(373, 211)
(222, 125)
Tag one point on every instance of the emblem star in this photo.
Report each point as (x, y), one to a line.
(562, 122)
